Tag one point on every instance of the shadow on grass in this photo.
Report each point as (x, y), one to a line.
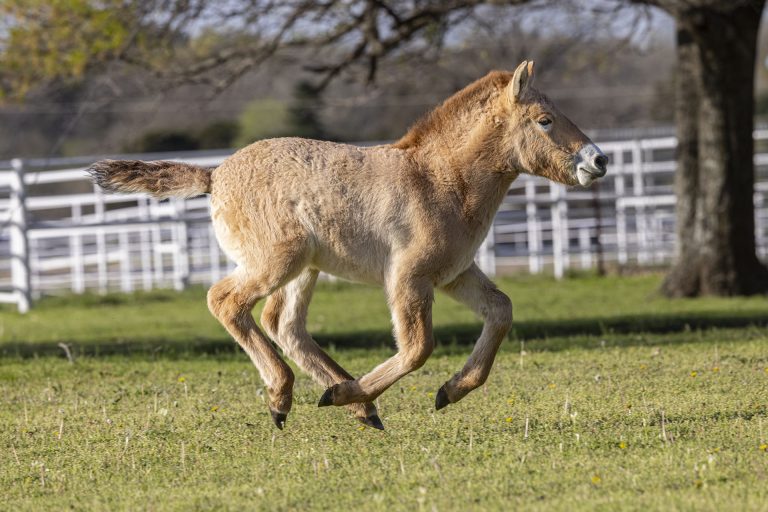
(449, 337)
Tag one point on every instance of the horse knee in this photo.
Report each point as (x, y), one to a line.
(500, 311)
(414, 358)
(216, 298)
(230, 302)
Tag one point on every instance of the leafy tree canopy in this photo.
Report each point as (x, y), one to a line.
(59, 40)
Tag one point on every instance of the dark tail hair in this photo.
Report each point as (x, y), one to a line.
(160, 179)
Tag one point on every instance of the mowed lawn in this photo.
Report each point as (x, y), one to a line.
(606, 396)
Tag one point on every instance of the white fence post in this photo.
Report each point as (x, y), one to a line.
(621, 216)
(181, 255)
(76, 248)
(20, 275)
(565, 240)
(99, 210)
(487, 254)
(126, 282)
(533, 227)
(638, 190)
(145, 246)
(559, 238)
(585, 247)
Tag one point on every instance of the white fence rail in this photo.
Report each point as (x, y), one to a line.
(60, 233)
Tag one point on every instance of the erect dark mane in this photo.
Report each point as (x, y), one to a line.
(476, 92)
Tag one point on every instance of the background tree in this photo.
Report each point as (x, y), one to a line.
(262, 119)
(218, 135)
(715, 178)
(303, 111)
(163, 141)
(59, 40)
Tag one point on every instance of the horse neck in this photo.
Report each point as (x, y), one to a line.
(465, 161)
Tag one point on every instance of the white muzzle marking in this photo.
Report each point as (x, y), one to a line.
(590, 164)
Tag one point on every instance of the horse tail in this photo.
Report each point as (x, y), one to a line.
(160, 178)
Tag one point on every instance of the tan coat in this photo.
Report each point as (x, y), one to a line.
(407, 216)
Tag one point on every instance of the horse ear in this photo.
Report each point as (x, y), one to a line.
(519, 81)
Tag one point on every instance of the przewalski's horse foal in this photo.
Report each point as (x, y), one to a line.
(408, 216)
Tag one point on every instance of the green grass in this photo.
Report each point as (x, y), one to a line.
(345, 316)
(631, 402)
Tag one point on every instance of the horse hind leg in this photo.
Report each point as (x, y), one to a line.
(285, 319)
(231, 301)
(270, 315)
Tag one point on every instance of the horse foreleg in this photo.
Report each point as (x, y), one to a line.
(411, 306)
(475, 290)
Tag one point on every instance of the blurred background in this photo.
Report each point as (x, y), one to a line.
(610, 72)
(663, 86)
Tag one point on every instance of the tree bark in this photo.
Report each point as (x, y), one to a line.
(715, 172)
(680, 281)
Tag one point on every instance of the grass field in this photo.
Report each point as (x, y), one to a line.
(606, 396)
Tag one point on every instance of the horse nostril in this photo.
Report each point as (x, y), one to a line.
(601, 161)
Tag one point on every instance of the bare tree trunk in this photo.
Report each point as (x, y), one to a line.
(681, 281)
(715, 176)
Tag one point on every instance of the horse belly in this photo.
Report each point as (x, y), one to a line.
(354, 260)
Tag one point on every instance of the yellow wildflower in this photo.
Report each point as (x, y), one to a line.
(764, 447)
(182, 379)
(694, 373)
(596, 479)
(508, 419)
(623, 445)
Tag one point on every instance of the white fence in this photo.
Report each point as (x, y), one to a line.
(60, 233)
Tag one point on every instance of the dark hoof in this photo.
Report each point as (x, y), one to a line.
(278, 418)
(327, 398)
(372, 421)
(441, 400)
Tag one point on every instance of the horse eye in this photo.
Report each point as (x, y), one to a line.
(545, 121)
